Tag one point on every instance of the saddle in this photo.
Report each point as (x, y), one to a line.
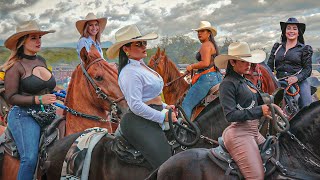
(212, 95)
(125, 151)
(269, 153)
(53, 132)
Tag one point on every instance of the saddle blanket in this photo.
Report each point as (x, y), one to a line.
(76, 164)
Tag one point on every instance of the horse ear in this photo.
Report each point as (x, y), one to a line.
(84, 56)
(158, 51)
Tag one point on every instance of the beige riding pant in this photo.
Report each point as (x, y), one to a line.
(241, 140)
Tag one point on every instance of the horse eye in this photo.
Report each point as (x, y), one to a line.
(98, 78)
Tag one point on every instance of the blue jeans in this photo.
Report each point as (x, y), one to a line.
(305, 93)
(26, 133)
(199, 91)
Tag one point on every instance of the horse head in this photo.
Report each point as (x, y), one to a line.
(261, 76)
(94, 88)
(167, 69)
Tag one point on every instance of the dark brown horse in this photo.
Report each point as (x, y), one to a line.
(82, 96)
(106, 165)
(196, 164)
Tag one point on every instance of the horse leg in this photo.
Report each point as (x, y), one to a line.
(191, 164)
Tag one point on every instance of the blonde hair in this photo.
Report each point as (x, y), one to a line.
(86, 34)
(15, 55)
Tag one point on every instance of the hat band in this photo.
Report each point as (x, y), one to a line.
(243, 55)
(137, 37)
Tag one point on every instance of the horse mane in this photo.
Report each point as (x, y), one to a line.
(305, 116)
(267, 68)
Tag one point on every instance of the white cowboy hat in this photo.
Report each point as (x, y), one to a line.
(239, 51)
(206, 25)
(28, 27)
(91, 17)
(126, 35)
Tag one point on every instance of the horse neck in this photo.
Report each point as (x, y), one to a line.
(306, 127)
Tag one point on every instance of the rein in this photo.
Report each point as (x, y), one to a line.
(99, 91)
(169, 83)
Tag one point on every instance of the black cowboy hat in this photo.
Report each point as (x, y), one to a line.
(292, 20)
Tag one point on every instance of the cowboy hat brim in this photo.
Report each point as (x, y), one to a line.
(213, 30)
(11, 42)
(102, 24)
(301, 26)
(257, 56)
(113, 51)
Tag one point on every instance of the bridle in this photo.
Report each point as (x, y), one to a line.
(100, 93)
(156, 61)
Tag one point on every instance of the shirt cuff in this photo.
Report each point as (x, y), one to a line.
(164, 105)
(163, 113)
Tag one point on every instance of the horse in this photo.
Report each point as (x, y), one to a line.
(299, 154)
(95, 96)
(86, 99)
(176, 87)
(106, 165)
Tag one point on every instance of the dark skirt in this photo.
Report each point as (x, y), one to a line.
(147, 137)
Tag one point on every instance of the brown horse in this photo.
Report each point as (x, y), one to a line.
(301, 161)
(83, 96)
(106, 165)
(174, 92)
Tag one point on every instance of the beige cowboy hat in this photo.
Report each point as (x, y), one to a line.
(239, 51)
(126, 35)
(91, 17)
(28, 27)
(206, 25)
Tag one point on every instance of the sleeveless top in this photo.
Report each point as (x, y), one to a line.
(198, 57)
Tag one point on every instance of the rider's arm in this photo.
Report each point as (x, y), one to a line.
(11, 84)
(229, 96)
(306, 63)
(205, 52)
(271, 59)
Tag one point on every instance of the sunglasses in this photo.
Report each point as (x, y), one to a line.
(140, 43)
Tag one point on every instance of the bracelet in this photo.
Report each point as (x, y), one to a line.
(41, 104)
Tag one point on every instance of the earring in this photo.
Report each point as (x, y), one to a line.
(127, 53)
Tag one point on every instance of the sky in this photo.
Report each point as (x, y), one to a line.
(253, 21)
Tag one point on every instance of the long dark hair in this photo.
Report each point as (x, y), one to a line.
(211, 39)
(284, 37)
(229, 68)
(123, 58)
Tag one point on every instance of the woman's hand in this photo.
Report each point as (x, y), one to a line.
(292, 80)
(267, 111)
(48, 99)
(173, 114)
(189, 68)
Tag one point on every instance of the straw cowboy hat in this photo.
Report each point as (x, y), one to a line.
(239, 51)
(206, 25)
(25, 28)
(91, 17)
(301, 26)
(126, 35)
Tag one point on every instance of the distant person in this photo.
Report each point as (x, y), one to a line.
(291, 59)
(90, 30)
(209, 74)
(28, 86)
(141, 86)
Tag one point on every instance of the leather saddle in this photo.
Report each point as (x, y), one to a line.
(125, 151)
(53, 132)
(268, 150)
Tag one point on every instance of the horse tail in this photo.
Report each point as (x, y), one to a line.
(153, 175)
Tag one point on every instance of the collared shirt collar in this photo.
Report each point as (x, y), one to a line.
(135, 62)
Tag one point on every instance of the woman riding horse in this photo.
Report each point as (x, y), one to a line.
(143, 125)
(242, 105)
(90, 29)
(291, 59)
(207, 72)
(28, 84)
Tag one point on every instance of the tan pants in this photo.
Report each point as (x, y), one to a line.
(241, 140)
